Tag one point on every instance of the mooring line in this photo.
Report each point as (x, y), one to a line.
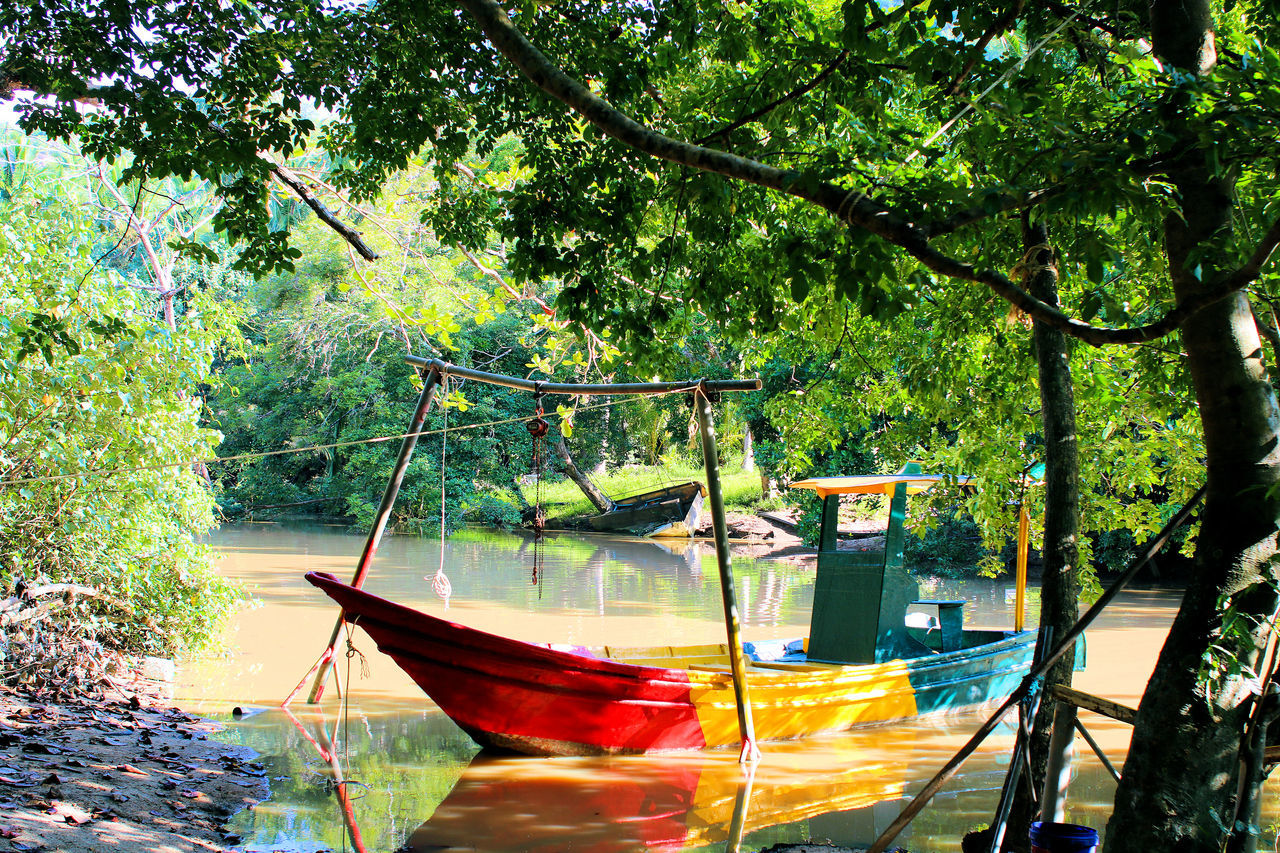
(241, 457)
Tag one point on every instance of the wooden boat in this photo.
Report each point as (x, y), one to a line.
(669, 511)
(561, 700)
(861, 664)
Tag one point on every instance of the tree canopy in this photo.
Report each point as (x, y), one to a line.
(766, 165)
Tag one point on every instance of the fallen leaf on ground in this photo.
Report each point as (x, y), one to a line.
(18, 783)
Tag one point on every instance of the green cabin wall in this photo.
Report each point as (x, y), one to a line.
(861, 597)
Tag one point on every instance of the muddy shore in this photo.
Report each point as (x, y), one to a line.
(132, 774)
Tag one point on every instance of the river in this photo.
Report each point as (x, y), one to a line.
(418, 782)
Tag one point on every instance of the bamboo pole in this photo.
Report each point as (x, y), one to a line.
(711, 386)
(1024, 546)
(322, 665)
(741, 803)
(1019, 763)
(746, 727)
(1097, 750)
(948, 770)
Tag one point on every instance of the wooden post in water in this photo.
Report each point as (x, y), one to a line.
(702, 402)
(410, 441)
(1057, 774)
(1020, 582)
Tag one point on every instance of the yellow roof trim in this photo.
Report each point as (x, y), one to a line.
(882, 484)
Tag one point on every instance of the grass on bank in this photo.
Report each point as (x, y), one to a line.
(563, 499)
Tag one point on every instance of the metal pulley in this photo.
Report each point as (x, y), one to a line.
(537, 427)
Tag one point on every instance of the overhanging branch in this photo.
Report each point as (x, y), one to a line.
(345, 231)
(850, 206)
(999, 204)
(998, 26)
(777, 102)
(1252, 268)
(11, 86)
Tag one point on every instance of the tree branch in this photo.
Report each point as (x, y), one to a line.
(1250, 270)
(1267, 330)
(9, 86)
(345, 231)
(998, 26)
(849, 206)
(777, 102)
(1000, 204)
(1062, 10)
(812, 84)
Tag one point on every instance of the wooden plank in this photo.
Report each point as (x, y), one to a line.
(1096, 704)
(793, 666)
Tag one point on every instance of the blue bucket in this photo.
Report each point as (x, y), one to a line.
(1062, 838)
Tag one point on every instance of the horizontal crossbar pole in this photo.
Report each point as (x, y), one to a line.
(583, 390)
(1096, 704)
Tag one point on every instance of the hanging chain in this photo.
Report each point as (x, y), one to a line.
(538, 428)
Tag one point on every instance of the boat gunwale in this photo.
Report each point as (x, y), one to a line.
(542, 655)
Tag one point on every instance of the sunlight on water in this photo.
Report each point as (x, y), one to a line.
(418, 783)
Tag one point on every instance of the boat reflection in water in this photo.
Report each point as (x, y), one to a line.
(639, 804)
(847, 787)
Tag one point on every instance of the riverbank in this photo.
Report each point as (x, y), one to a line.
(132, 774)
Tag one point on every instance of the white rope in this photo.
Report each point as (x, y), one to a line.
(440, 583)
(162, 466)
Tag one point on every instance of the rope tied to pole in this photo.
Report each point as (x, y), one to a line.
(352, 652)
(538, 429)
(440, 584)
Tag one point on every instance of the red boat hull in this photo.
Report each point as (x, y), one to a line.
(528, 698)
(546, 700)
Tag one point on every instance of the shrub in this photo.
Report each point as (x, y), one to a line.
(93, 382)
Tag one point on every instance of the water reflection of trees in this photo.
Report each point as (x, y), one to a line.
(406, 763)
(597, 574)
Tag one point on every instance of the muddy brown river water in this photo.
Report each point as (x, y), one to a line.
(419, 783)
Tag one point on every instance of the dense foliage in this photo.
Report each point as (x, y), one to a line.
(771, 169)
(96, 407)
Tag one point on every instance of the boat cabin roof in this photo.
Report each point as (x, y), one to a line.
(875, 484)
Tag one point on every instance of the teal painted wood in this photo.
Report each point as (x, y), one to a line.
(991, 667)
(830, 522)
(846, 607)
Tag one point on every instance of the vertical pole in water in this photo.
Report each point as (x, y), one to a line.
(1024, 545)
(321, 667)
(1057, 774)
(702, 403)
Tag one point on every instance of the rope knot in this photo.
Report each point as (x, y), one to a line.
(352, 651)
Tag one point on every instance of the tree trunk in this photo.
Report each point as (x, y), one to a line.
(1060, 582)
(1180, 776)
(597, 498)
(748, 448)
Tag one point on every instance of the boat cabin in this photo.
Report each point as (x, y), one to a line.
(860, 598)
